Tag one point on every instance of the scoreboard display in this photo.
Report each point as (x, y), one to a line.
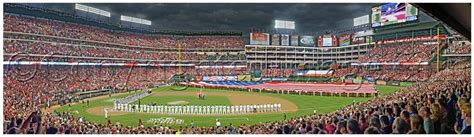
(393, 13)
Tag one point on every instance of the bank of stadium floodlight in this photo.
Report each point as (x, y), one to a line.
(92, 10)
(283, 24)
(135, 20)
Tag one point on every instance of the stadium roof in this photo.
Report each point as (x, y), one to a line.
(418, 26)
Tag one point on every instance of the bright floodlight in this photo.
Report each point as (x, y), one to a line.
(92, 10)
(361, 20)
(282, 24)
(135, 20)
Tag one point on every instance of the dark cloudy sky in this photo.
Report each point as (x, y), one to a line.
(241, 17)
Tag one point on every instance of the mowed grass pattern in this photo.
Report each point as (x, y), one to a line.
(306, 104)
(192, 100)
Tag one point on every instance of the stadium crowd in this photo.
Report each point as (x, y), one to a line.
(13, 23)
(43, 48)
(386, 74)
(439, 106)
(399, 53)
(459, 49)
(280, 72)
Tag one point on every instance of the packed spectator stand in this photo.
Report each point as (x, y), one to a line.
(439, 106)
(443, 100)
(400, 53)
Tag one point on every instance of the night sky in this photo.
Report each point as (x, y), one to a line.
(309, 18)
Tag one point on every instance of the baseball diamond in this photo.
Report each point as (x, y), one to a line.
(236, 68)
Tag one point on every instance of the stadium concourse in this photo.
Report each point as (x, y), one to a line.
(54, 58)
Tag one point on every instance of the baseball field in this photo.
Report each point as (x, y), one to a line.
(292, 106)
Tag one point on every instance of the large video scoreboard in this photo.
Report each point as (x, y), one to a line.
(393, 13)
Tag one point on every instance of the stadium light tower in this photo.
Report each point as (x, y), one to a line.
(283, 24)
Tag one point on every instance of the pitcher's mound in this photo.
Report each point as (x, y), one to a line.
(178, 102)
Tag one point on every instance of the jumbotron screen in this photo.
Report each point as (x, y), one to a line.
(393, 13)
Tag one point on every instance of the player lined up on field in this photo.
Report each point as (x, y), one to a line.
(198, 110)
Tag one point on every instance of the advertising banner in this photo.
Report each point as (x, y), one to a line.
(420, 38)
(393, 83)
(380, 82)
(259, 38)
(344, 40)
(276, 39)
(285, 39)
(320, 41)
(266, 79)
(334, 41)
(357, 80)
(327, 41)
(307, 41)
(370, 80)
(244, 77)
(279, 79)
(294, 40)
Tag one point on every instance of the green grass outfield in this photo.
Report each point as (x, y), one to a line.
(306, 104)
(210, 100)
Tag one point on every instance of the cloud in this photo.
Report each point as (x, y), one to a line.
(309, 18)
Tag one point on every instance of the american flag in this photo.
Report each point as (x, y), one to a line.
(212, 78)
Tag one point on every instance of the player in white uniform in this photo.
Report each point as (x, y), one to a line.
(221, 109)
(172, 109)
(208, 110)
(189, 110)
(160, 109)
(185, 109)
(106, 113)
(212, 109)
(236, 110)
(175, 109)
(178, 110)
(196, 109)
(199, 109)
(204, 109)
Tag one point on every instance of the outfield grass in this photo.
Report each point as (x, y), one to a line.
(306, 105)
(210, 100)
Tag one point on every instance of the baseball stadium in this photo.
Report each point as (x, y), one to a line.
(82, 68)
